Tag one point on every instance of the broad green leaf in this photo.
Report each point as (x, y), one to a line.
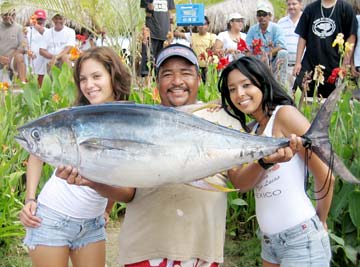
(340, 199)
(337, 239)
(354, 209)
(351, 253)
(238, 202)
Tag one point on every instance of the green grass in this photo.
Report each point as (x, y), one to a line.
(242, 252)
(17, 256)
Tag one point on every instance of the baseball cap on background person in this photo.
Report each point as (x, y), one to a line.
(57, 15)
(176, 50)
(264, 7)
(235, 15)
(40, 14)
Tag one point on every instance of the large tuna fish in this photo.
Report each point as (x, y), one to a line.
(144, 146)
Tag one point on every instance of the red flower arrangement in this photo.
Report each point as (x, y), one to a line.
(223, 62)
(337, 72)
(256, 45)
(81, 38)
(242, 46)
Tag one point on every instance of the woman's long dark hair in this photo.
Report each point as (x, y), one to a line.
(119, 72)
(260, 75)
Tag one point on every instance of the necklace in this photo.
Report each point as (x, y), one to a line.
(322, 11)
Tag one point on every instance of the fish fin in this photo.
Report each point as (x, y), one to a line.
(210, 186)
(318, 137)
(196, 107)
(119, 144)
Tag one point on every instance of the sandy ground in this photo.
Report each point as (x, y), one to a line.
(112, 244)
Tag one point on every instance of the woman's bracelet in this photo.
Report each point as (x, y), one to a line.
(30, 200)
(265, 165)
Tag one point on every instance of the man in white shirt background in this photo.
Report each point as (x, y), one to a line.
(58, 41)
(288, 24)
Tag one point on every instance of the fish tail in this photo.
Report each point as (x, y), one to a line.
(317, 137)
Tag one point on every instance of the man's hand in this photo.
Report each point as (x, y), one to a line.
(72, 176)
(355, 72)
(296, 69)
(4, 60)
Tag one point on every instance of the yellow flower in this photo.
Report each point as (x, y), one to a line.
(122, 59)
(348, 47)
(319, 74)
(4, 86)
(339, 40)
(5, 148)
(215, 59)
(56, 98)
(74, 53)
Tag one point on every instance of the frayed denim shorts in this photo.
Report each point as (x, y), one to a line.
(57, 230)
(304, 245)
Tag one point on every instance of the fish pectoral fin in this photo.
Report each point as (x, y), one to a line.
(118, 144)
(210, 186)
(196, 107)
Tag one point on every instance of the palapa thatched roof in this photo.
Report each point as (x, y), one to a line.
(219, 13)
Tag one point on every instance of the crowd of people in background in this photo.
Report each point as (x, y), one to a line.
(291, 47)
(281, 44)
(152, 235)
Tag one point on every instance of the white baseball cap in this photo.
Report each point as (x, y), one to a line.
(264, 7)
(235, 15)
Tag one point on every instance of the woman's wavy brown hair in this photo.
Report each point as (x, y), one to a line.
(119, 73)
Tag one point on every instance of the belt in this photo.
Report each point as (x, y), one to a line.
(291, 65)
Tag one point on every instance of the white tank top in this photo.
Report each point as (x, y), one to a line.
(76, 201)
(281, 201)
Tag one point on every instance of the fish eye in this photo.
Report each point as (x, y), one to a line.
(35, 134)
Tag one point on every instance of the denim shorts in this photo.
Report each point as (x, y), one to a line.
(304, 245)
(57, 230)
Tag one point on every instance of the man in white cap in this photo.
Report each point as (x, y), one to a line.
(34, 34)
(227, 42)
(58, 41)
(273, 48)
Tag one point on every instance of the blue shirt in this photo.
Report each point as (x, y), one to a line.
(272, 34)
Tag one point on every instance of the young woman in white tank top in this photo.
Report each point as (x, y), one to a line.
(293, 231)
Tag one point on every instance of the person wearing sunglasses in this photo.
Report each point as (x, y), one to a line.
(266, 40)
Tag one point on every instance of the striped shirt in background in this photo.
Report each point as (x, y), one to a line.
(291, 38)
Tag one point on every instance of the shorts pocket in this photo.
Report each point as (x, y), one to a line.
(100, 222)
(51, 219)
(297, 241)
